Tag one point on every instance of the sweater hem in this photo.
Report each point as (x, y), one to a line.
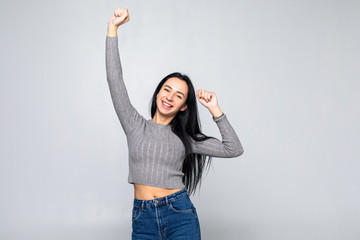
(158, 185)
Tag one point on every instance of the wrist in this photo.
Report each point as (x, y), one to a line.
(218, 118)
(216, 112)
(112, 30)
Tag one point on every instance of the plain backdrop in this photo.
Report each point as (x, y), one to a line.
(286, 73)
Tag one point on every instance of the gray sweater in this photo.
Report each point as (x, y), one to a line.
(156, 154)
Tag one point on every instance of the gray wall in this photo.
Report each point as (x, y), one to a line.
(285, 72)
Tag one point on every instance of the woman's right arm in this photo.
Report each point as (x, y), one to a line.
(127, 114)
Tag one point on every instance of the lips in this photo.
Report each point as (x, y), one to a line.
(166, 105)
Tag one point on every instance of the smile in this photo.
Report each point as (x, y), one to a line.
(166, 105)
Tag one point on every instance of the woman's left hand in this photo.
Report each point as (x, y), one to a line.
(207, 99)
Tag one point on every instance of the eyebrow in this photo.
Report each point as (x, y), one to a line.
(177, 91)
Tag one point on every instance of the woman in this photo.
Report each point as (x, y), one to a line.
(167, 152)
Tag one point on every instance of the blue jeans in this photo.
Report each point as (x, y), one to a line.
(171, 217)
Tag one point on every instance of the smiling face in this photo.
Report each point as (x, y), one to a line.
(172, 97)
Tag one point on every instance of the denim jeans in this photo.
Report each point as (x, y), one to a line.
(171, 217)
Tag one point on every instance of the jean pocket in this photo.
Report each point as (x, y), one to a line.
(136, 213)
(181, 205)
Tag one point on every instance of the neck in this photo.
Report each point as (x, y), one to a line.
(161, 119)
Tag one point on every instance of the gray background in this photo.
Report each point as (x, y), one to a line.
(285, 72)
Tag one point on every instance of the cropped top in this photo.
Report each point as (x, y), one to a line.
(156, 153)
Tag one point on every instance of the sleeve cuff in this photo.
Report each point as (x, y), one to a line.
(216, 119)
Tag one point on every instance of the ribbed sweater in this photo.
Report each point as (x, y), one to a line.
(155, 152)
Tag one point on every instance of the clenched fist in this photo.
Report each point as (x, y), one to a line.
(208, 99)
(121, 16)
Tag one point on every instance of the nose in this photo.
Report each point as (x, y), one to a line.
(169, 96)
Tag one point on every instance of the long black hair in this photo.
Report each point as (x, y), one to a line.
(186, 124)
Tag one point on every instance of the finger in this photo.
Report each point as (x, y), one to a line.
(126, 14)
(127, 18)
(116, 12)
(210, 96)
(121, 18)
(123, 14)
(205, 96)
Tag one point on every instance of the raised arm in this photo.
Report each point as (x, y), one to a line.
(229, 147)
(127, 114)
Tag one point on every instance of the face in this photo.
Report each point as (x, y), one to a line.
(172, 97)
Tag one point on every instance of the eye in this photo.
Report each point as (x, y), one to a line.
(178, 96)
(166, 89)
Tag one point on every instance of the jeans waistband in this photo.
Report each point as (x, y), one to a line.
(163, 200)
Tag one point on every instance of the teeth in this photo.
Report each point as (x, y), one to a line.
(166, 104)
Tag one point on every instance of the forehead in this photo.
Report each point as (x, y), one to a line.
(177, 84)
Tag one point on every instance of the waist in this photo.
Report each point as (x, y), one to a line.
(145, 192)
(162, 200)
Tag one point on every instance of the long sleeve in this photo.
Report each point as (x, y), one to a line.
(229, 147)
(127, 114)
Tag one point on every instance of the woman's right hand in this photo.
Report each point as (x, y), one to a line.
(121, 16)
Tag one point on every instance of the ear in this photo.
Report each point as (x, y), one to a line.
(183, 108)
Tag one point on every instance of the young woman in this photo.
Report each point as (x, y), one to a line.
(167, 153)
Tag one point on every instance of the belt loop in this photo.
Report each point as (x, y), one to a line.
(166, 198)
(142, 205)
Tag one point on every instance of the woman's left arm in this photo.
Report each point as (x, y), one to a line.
(230, 146)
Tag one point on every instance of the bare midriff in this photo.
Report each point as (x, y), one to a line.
(144, 192)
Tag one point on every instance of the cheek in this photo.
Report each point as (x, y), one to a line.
(180, 103)
(159, 95)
